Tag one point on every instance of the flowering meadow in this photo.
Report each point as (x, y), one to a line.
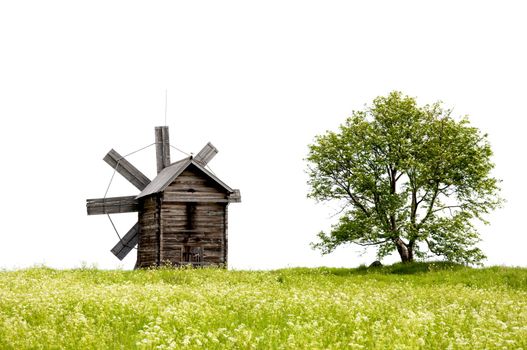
(427, 306)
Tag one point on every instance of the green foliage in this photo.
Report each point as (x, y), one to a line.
(409, 178)
(445, 305)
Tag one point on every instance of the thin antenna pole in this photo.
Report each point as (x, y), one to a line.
(166, 103)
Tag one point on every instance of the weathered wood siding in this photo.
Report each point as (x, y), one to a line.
(188, 227)
(149, 219)
(190, 220)
(193, 220)
(192, 186)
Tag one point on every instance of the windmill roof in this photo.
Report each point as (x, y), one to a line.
(170, 173)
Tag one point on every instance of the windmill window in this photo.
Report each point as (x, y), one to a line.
(191, 213)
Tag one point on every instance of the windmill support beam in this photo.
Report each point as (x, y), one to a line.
(113, 205)
(162, 148)
(235, 197)
(127, 242)
(193, 197)
(126, 169)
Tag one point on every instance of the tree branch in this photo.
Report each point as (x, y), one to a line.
(430, 206)
(373, 243)
(430, 248)
(354, 199)
(444, 188)
(414, 205)
(447, 207)
(423, 197)
(380, 211)
(358, 204)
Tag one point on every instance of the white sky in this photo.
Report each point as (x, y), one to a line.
(257, 79)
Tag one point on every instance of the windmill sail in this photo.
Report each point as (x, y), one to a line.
(206, 154)
(126, 169)
(112, 205)
(127, 243)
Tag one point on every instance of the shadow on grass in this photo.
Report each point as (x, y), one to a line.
(395, 269)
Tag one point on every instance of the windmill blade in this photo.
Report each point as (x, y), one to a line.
(206, 154)
(112, 205)
(126, 169)
(127, 243)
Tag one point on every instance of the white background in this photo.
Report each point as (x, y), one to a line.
(259, 79)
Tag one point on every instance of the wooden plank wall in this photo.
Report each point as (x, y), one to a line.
(206, 231)
(225, 234)
(147, 249)
(192, 186)
(193, 214)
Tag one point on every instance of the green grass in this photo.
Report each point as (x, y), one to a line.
(417, 306)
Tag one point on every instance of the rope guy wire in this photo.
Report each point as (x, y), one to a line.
(177, 149)
(119, 161)
(140, 149)
(117, 233)
(209, 169)
(166, 104)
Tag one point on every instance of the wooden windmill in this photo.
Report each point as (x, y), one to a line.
(182, 212)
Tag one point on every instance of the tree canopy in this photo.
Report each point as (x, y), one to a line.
(408, 178)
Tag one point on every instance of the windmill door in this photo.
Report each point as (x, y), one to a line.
(193, 255)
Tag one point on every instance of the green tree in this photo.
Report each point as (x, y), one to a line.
(408, 178)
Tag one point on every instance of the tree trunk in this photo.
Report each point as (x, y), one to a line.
(405, 251)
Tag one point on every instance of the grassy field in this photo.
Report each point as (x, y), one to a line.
(421, 306)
